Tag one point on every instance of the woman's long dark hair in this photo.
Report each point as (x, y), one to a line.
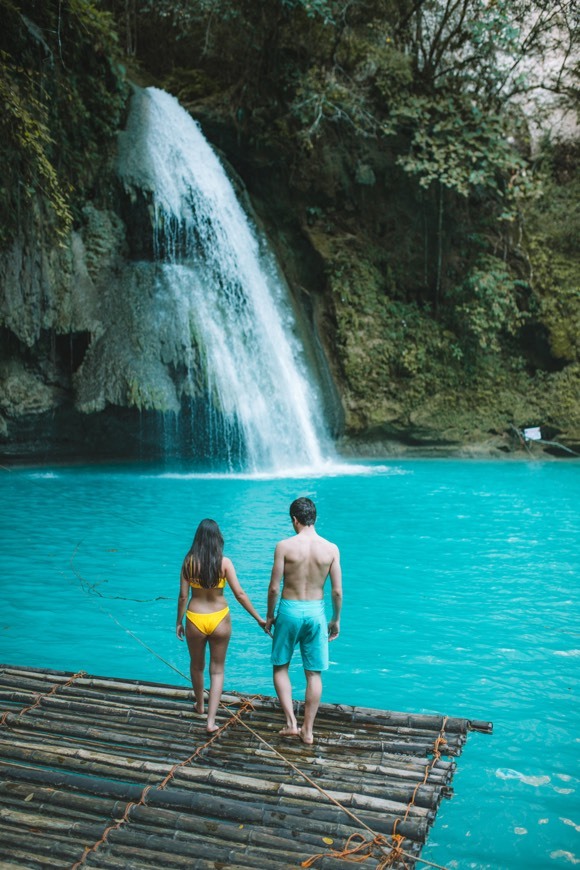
(204, 559)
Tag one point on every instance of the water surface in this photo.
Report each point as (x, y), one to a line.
(461, 598)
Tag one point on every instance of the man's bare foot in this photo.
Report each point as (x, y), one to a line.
(211, 728)
(305, 737)
(289, 731)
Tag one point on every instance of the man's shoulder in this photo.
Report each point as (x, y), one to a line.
(330, 544)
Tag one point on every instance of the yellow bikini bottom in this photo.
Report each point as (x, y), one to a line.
(207, 622)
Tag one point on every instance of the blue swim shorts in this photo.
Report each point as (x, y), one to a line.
(301, 623)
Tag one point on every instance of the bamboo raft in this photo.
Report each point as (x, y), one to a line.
(119, 774)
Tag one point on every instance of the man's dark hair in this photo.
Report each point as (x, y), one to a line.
(304, 510)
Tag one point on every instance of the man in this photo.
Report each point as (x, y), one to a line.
(303, 562)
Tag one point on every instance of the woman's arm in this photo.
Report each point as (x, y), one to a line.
(182, 605)
(240, 595)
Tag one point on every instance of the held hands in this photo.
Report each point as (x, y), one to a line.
(268, 623)
(263, 623)
(333, 629)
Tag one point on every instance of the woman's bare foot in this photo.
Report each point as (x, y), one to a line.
(289, 731)
(306, 737)
(211, 728)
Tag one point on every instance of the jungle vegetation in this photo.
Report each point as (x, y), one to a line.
(408, 144)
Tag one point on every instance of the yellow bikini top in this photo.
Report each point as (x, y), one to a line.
(195, 584)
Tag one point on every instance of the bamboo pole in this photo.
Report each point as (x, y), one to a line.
(311, 838)
(381, 723)
(110, 683)
(45, 718)
(117, 706)
(139, 770)
(215, 836)
(383, 799)
(257, 787)
(416, 720)
(46, 800)
(128, 740)
(50, 826)
(399, 767)
(126, 734)
(360, 714)
(411, 766)
(340, 778)
(252, 855)
(239, 811)
(22, 855)
(331, 710)
(105, 761)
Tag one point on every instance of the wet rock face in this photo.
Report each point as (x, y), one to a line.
(52, 309)
(92, 359)
(84, 333)
(23, 392)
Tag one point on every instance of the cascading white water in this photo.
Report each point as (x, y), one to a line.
(239, 328)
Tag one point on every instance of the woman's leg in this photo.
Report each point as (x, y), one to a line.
(218, 647)
(196, 641)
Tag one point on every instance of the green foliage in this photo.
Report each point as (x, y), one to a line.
(557, 287)
(28, 172)
(189, 85)
(394, 74)
(455, 143)
(62, 94)
(419, 95)
(323, 97)
(313, 8)
(560, 312)
(553, 247)
(486, 306)
(557, 168)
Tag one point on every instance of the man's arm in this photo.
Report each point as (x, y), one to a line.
(274, 587)
(336, 594)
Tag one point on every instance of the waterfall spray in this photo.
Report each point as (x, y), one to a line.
(240, 337)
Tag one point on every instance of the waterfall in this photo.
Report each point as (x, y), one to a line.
(252, 394)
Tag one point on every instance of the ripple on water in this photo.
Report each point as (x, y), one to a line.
(458, 600)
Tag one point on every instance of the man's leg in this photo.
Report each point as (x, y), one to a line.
(283, 688)
(311, 705)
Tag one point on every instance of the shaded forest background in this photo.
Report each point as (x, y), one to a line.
(414, 162)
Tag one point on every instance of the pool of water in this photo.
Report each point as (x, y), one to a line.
(461, 582)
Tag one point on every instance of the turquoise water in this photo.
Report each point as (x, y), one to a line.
(461, 597)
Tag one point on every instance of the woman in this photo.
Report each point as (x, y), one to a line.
(204, 574)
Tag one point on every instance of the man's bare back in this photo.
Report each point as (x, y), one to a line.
(304, 561)
(302, 564)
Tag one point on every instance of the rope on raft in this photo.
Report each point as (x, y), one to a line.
(364, 849)
(356, 853)
(39, 697)
(163, 784)
(367, 847)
